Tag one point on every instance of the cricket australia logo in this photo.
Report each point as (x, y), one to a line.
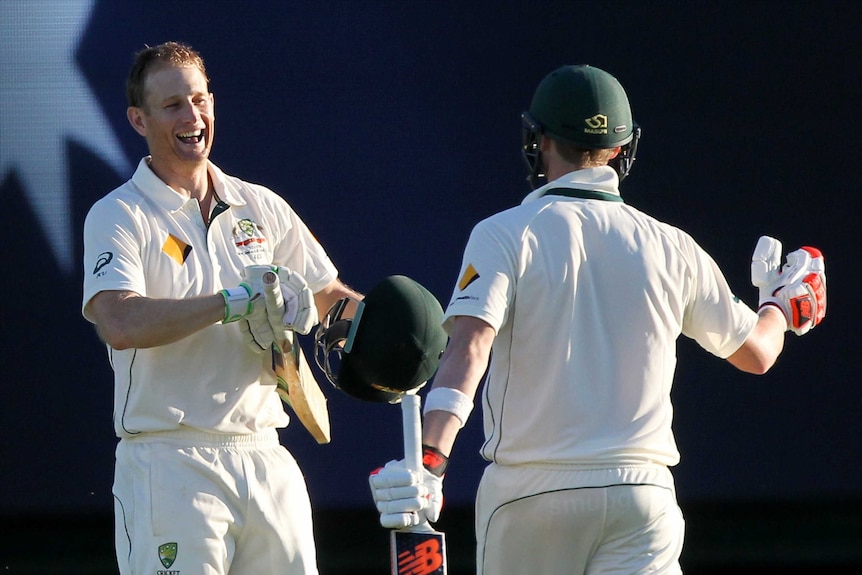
(250, 241)
(168, 554)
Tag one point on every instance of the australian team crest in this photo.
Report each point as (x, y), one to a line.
(168, 554)
(250, 241)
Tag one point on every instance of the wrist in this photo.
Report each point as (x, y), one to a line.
(434, 460)
(451, 400)
(237, 302)
(778, 311)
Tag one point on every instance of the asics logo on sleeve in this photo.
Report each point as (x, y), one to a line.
(103, 260)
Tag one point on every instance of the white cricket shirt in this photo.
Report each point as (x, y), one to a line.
(146, 238)
(588, 298)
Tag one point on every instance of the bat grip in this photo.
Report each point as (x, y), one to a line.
(410, 412)
(271, 289)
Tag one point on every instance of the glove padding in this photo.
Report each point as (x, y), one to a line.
(245, 305)
(299, 313)
(404, 497)
(257, 332)
(275, 312)
(798, 289)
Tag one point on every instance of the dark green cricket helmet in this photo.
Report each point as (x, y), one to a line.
(584, 106)
(391, 345)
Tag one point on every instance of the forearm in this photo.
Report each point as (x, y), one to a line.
(440, 429)
(763, 345)
(127, 320)
(328, 296)
(407, 497)
(462, 368)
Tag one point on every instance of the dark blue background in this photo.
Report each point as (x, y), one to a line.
(392, 127)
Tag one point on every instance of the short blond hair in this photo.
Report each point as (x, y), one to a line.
(152, 58)
(583, 157)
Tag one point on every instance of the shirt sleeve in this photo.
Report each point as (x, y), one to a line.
(716, 318)
(485, 286)
(112, 255)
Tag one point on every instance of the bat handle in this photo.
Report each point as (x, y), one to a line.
(410, 412)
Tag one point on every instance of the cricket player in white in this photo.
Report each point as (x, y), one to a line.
(582, 298)
(202, 484)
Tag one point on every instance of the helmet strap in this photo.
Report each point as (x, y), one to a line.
(626, 158)
(531, 134)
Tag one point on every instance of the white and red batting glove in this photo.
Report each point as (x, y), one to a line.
(405, 497)
(798, 288)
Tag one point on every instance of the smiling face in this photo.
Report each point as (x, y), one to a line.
(177, 119)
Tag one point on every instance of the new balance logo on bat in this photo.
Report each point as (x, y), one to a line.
(426, 558)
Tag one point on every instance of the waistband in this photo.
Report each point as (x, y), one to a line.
(189, 437)
(531, 479)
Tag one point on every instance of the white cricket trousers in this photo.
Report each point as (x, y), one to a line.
(562, 520)
(191, 503)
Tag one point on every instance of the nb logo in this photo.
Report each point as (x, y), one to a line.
(803, 311)
(425, 558)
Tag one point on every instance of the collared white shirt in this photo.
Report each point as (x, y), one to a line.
(146, 238)
(588, 297)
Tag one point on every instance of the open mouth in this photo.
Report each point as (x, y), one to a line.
(191, 137)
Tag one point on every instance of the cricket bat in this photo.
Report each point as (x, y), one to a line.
(416, 550)
(298, 388)
(297, 385)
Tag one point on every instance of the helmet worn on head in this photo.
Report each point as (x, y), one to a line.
(584, 106)
(392, 345)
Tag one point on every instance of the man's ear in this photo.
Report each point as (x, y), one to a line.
(136, 119)
(616, 153)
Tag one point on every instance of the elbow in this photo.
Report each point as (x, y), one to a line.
(761, 349)
(760, 364)
(114, 315)
(115, 337)
(753, 360)
(760, 368)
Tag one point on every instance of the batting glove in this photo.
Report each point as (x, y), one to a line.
(299, 313)
(257, 332)
(245, 304)
(405, 497)
(798, 289)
